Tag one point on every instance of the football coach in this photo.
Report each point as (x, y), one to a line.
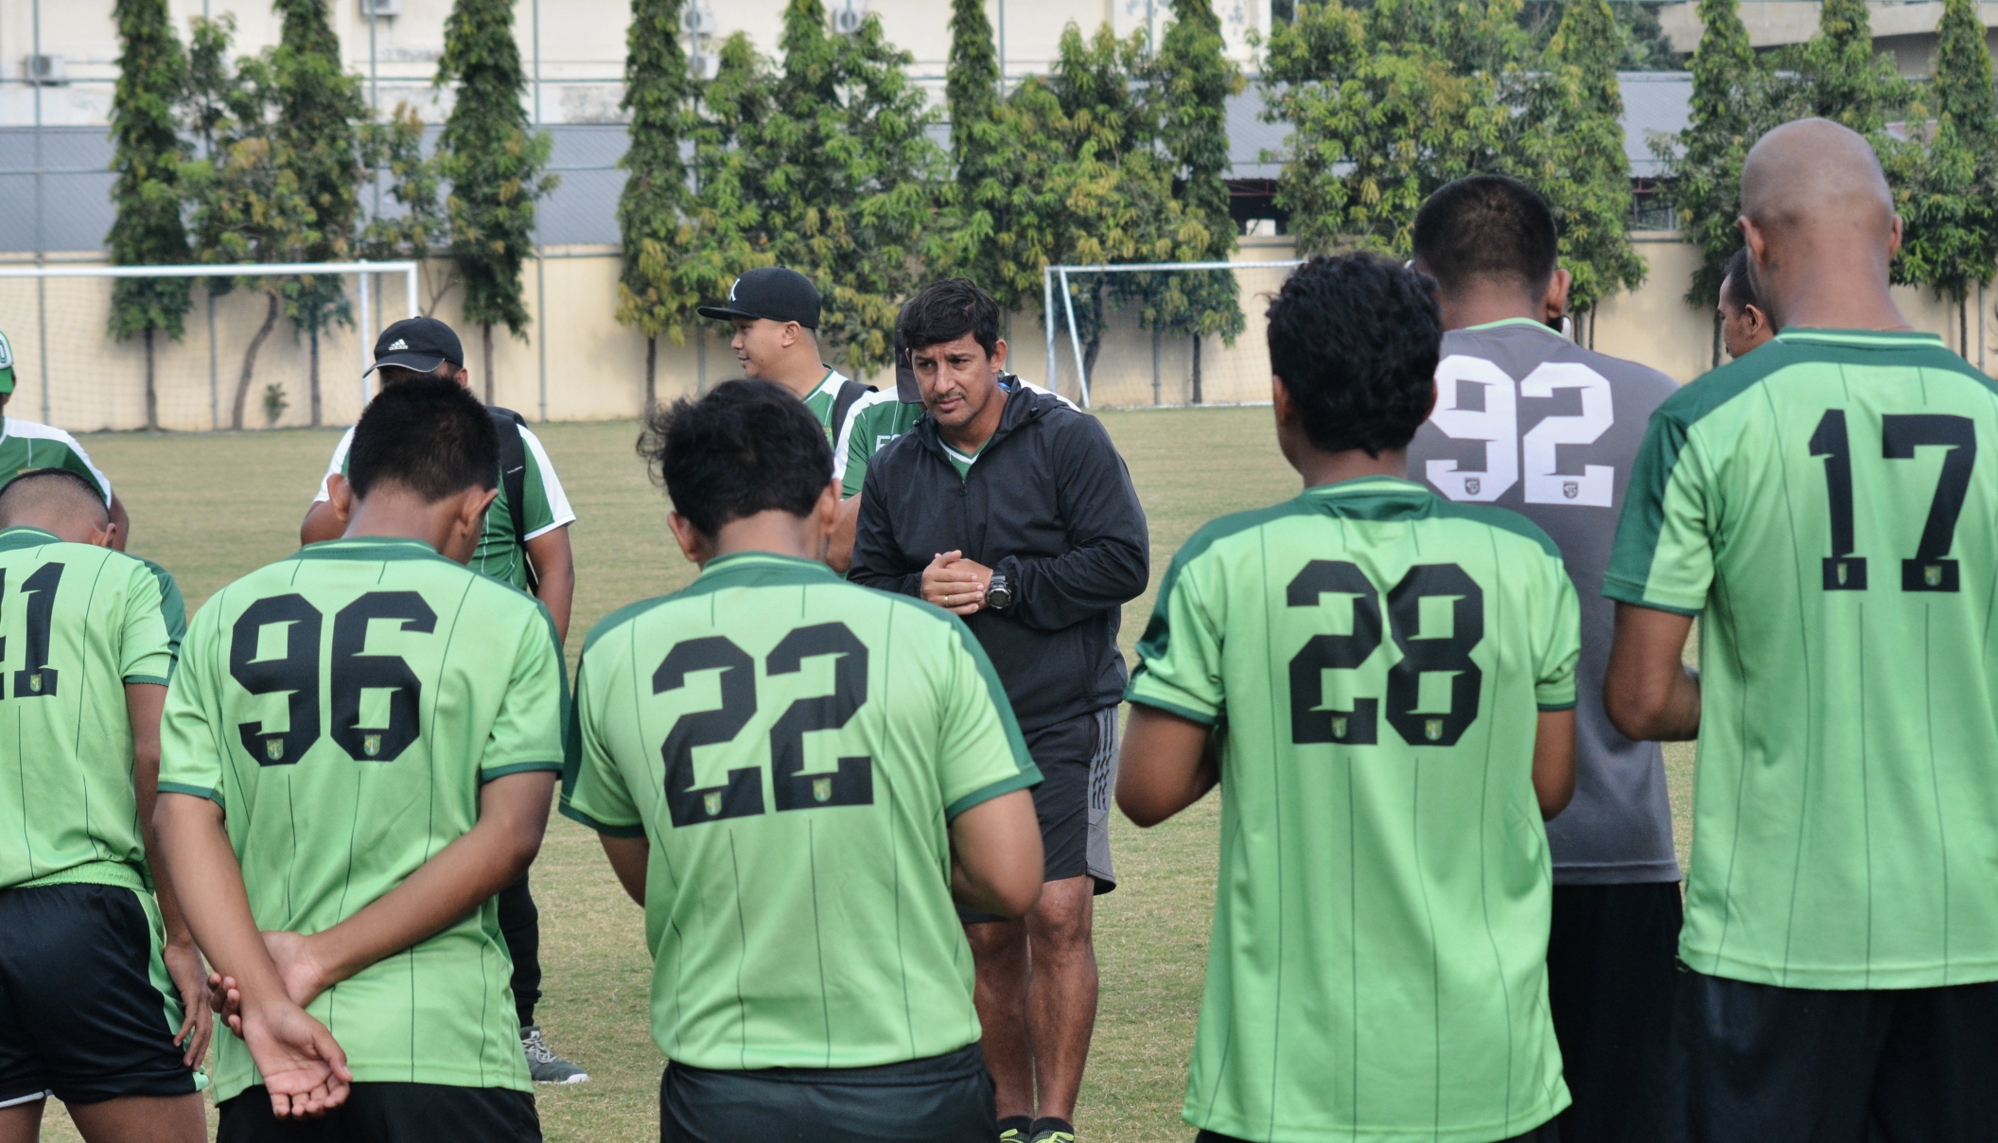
(1010, 508)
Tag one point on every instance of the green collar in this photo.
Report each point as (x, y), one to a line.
(759, 560)
(1367, 486)
(370, 548)
(1539, 325)
(26, 537)
(1863, 338)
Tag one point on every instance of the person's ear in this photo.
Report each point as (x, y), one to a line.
(1280, 400)
(340, 495)
(1894, 242)
(1555, 302)
(1757, 242)
(104, 537)
(697, 548)
(464, 377)
(472, 509)
(793, 333)
(1757, 320)
(999, 349)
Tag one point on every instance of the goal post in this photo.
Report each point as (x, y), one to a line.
(242, 347)
(1130, 366)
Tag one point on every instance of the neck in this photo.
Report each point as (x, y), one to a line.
(1351, 464)
(1484, 301)
(800, 372)
(971, 436)
(1833, 293)
(773, 530)
(396, 514)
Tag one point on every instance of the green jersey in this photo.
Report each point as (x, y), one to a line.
(876, 419)
(76, 624)
(1374, 659)
(794, 748)
(343, 707)
(26, 446)
(823, 401)
(173, 611)
(1806, 499)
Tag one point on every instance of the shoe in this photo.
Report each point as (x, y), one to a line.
(1013, 1135)
(1059, 1132)
(1016, 1130)
(543, 1064)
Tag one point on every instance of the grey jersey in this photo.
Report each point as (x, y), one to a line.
(1527, 420)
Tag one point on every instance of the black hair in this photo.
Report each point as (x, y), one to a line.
(1486, 226)
(747, 447)
(947, 310)
(1355, 339)
(428, 435)
(52, 487)
(1738, 287)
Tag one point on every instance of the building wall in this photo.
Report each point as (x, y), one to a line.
(1906, 31)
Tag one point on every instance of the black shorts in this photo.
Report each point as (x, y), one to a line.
(87, 1010)
(1547, 1132)
(390, 1113)
(1790, 1065)
(1078, 763)
(942, 1099)
(1611, 969)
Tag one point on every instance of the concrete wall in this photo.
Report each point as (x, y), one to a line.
(1906, 31)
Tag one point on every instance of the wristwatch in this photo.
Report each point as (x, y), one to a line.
(998, 593)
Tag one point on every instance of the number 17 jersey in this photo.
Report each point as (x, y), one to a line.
(344, 708)
(1828, 504)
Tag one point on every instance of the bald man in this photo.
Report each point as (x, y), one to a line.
(1823, 504)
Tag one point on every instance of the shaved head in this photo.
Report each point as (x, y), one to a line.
(1815, 173)
(55, 500)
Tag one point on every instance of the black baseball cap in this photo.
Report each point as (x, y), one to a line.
(419, 343)
(772, 292)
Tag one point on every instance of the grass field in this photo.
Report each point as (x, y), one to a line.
(213, 507)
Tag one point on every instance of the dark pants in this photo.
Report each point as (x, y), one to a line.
(1763, 1064)
(520, 924)
(942, 1099)
(1545, 1133)
(390, 1113)
(1612, 960)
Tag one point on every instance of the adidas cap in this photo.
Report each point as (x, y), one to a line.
(419, 343)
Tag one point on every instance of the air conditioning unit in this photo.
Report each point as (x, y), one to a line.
(698, 20)
(46, 71)
(381, 7)
(847, 20)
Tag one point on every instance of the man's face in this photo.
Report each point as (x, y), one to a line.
(958, 378)
(760, 343)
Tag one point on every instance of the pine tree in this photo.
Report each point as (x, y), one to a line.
(1840, 76)
(724, 221)
(656, 90)
(152, 71)
(422, 225)
(981, 151)
(495, 166)
(1731, 106)
(1574, 153)
(320, 109)
(1192, 80)
(1946, 192)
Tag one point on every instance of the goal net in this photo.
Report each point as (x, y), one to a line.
(1160, 333)
(244, 357)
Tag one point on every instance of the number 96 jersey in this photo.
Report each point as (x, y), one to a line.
(1374, 658)
(1828, 504)
(344, 707)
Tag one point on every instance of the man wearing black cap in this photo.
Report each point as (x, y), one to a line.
(525, 542)
(776, 316)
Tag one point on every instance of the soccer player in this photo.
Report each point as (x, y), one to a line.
(1383, 683)
(775, 312)
(794, 775)
(1527, 420)
(1744, 323)
(525, 542)
(359, 750)
(1826, 504)
(103, 1000)
(25, 446)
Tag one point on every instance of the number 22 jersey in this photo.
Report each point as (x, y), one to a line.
(1374, 658)
(344, 707)
(1827, 502)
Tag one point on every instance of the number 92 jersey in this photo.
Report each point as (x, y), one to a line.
(1828, 503)
(344, 707)
(1375, 659)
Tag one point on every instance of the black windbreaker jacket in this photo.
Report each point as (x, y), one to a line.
(1049, 505)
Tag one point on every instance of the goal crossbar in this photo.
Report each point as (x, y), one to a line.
(1050, 274)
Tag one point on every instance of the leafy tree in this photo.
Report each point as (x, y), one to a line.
(1191, 82)
(495, 166)
(152, 70)
(422, 225)
(656, 91)
(1731, 107)
(983, 146)
(1839, 76)
(1573, 152)
(320, 107)
(1945, 193)
(724, 222)
(1646, 47)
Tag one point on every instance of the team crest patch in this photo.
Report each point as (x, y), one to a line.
(371, 744)
(1432, 729)
(711, 803)
(35, 680)
(1841, 573)
(822, 789)
(1338, 727)
(1931, 575)
(274, 749)
(1570, 489)
(1471, 486)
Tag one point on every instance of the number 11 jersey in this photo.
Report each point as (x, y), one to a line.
(1828, 503)
(344, 707)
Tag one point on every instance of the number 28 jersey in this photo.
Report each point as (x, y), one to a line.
(1828, 503)
(1374, 658)
(344, 707)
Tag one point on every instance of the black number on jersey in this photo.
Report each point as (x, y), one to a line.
(1900, 435)
(36, 679)
(742, 794)
(296, 675)
(1419, 653)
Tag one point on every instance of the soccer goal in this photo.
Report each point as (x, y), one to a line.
(260, 345)
(1123, 335)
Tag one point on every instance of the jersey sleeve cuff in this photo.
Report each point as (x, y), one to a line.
(518, 768)
(208, 792)
(1624, 591)
(1175, 703)
(605, 828)
(1025, 779)
(155, 680)
(1551, 707)
(562, 521)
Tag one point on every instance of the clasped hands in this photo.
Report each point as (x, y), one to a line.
(303, 1067)
(956, 584)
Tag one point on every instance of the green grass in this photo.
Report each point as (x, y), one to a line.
(213, 507)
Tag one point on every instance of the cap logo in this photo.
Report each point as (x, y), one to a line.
(6, 352)
(398, 343)
(731, 288)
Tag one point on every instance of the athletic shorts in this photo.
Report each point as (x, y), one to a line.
(942, 1099)
(87, 1010)
(1547, 1132)
(1078, 764)
(1612, 967)
(390, 1113)
(1763, 1064)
